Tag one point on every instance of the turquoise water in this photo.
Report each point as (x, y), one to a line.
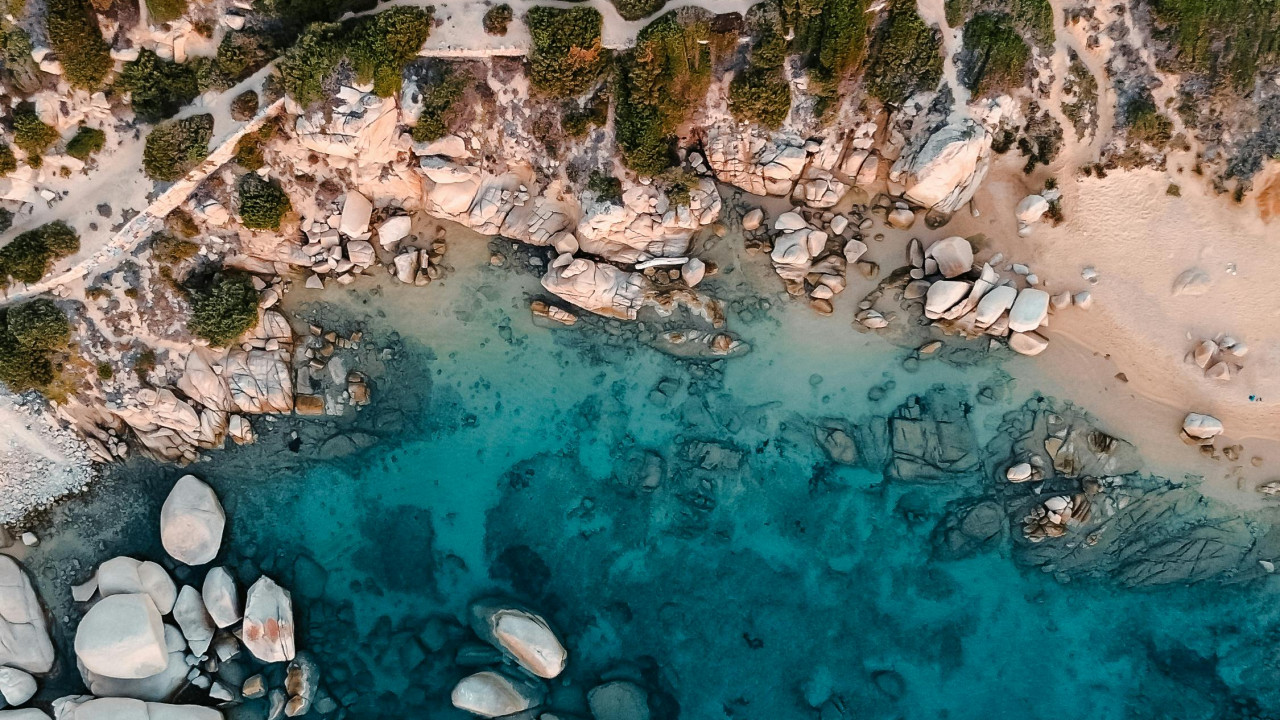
(679, 524)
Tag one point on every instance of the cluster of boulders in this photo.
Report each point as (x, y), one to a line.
(325, 384)
(812, 250)
(1219, 358)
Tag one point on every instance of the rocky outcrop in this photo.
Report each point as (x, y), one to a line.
(646, 225)
(759, 162)
(932, 440)
(524, 636)
(601, 288)
(122, 637)
(941, 170)
(492, 694)
(24, 637)
(191, 522)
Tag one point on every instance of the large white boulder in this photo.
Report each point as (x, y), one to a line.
(16, 686)
(523, 635)
(943, 295)
(153, 688)
(126, 576)
(954, 256)
(1031, 208)
(122, 637)
(994, 304)
(492, 694)
(1201, 426)
(194, 620)
(1028, 343)
(221, 598)
(85, 707)
(601, 288)
(268, 621)
(191, 522)
(393, 230)
(24, 714)
(356, 211)
(24, 638)
(1029, 310)
(942, 170)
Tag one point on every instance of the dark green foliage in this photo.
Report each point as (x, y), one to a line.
(105, 371)
(1033, 18)
(760, 93)
(223, 309)
(497, 18)
(6, 219)
(163, 11)
(29, 335)
(249, 148)
(606, 186)
(19, 66)
(439, 103)
(831, 38)
(660, 81)
(30, 255)
(31, 134)
(245, 106)
(158, 88)
(74, 35)
(380, 46)
(567, 57)
(297, 14)
(240, 54)
(86, 142)
(578, 121)
(637, 9)
(175, 147)
(304, 67)
(262, 202)
(1146, 123)
(905, 55)
(995, 56)
(1227, 40)
(169, 250)
(8, 163)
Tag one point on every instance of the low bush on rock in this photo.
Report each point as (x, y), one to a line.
(439, 104)
(8, 163)
(262, 202)
(240, 54)
(830, 36)
(905, 56)
(637, 9)
(86, 143)
(175, 147)
(167, 249)
(30, 255)
(74, 34)
(31, 133)
(1145, 122)
(158, 88)
(245, 106)
(30, 334)
(760, 92)
(497, 18)
(163, 11)
(223, 308)
(567, 57)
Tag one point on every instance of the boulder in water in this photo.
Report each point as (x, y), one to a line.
(193, 618)
(221, 598)
(16, 686)
(24, 638)
(268, 621)
(191, 522)
(492, 694)
(124, 576)
(122, 637)
(523, 635)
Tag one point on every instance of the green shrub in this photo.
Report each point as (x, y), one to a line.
(31, 134)
(905, 55)
(105, 371)
(995, 56)
(760, 93)
(497, 18)
(380, 46)
(1146, 123)
(167, 249)
(74, 35)
(660, 82)
(262, 203)
(304, 67)
(15, 51)
(577, 121)
(163, 11)
(245, 106)
(158, 88)
(1226, 40)
(1033, 18)
(224, 309)
(30, 255)
(181, 222)
(567, 56)
(637, 9)
(8, 163)
(439, 103)
(240, 54)
(86, 142)
(605, 186)
(29, 335)
(830, 36)
(175, 147)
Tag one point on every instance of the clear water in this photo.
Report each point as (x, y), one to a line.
(785, 588)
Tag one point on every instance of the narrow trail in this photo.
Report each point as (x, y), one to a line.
(934, 12)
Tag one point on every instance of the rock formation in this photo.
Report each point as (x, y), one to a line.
(191, 522)
(24, 637)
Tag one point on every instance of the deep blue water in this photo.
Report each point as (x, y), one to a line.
(762, 583)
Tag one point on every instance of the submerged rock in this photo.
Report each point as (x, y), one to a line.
(524, 636)
(932, 439)
(619, 700)
(191, 522)
(492, 694)
(24, 638)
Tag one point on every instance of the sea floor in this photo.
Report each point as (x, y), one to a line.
(677, 524)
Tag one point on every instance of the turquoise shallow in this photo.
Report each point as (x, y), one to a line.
(678, 524)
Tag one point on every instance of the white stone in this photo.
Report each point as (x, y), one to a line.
(393, 230)
(1028, 343)
(356, 211)
(220, 597)
(954, 256)
(1083, 300)
(122, 637)
(193, 618)
(753, 219)
(192, 522)
(24, 639)
(994, 304)
(114, 708)
(1020, 472)
(490, 694)
(360, 253)
(839, 224)
(1031, 208)
(693, 272)
(1029, 310)
(16, 686)
(1203, 427)
(125, 575)
(789, 221)
(854, 250)
(268, 621)
(943, 295)
(524, 636)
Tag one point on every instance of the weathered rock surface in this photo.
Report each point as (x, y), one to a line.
(221, 598)
(932, 440)
(941, 170)
(125, 575)
(619, 700)
(521, 634)
(268, 622)
(122, 637)
(24, 637)
(492, 694)
(88, 708)
(16, 686)
(601, 288)
(191, 522)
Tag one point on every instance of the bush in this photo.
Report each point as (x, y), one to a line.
(8, 163)
(262, 203)
(29, 335)
(905, 56)
(439, 103)
(1145, 122)
(158, 88)
(163, 11)
(995, 57)
(223, 310)
(169, 250)
(637, 9)
(240, 54)
(105, 371)
(15, 51)
(249, 148)
(831, 38)
(577, 121)
(567, 56)
(304, 67)
(760, 93)
(86, 142)
(497, 18)
(605, 186)
(30, 255)
(31, 134)
(74, 34)
(245, 106)
(175, 147)
(1227, 41)
(380, 46)
(6, 219)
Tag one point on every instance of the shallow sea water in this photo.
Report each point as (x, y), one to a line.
(759, 581)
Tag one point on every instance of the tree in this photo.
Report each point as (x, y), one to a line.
(497, 18)
(380, 46)
(262, 203)
(86, 142)
(175, 147)
(304, 67)
(29, 255)
(31, 133)
(223, 310)
(905, 55)
(74, 35)
(158, 88)
(567, 56)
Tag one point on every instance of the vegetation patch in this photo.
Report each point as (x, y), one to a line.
(245, 106)
(637, 9)
(660, 81)
(497, 18)
(1033, 18)
(8, 163)
(262, 202)
(1083, 109)
(440, 100)
(175, 147)
(163, 11)
(605, 186)
(31, 133)
(567, 57)
(19, 67)
(28, 257)
(577, 120)
(1146, 124)
(1227, 40)
(223, 308)
(304, 67)
(86, 143)
(74, 34)
(240, 54)
(30, 335)
(760, 92)
(995, 56)
(168, 249)
(905, 55)
(830, 36)
(158, 88)
(249, 148)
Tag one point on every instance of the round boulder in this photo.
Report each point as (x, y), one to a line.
(122, 637)
(191, 522)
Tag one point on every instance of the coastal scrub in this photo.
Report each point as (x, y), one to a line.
(30, 333)
(74, 34)
(175, 147)
(760, 92)
(157, 88)
(30, 255)
(995, 57)
(262, 202)
(223, 309)
(905, 56)
(568, 57)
